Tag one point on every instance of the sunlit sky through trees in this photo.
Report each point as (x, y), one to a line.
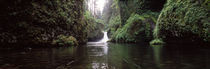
(96, 7)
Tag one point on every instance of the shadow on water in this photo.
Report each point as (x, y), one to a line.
(107, 56)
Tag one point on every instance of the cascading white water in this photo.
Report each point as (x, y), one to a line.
(99, 50)
(102, 42)
(105, 38)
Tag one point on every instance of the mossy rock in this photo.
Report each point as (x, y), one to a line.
(184, 20)
(157, 42)
(65, 41)
(94, 27)
(137, 28)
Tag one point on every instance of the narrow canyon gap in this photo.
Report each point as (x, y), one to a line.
(104, 34)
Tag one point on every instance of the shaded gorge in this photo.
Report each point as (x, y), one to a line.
(104, 34)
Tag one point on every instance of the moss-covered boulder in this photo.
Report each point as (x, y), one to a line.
(133, 20)
(157, 42)
(96, 33)
(138, 28)
(184, 21)
(65, 41)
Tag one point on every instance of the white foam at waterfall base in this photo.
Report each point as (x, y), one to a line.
(105, 38)
(102, 42)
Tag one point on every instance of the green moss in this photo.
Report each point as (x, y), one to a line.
(127, 7)
(93, 27)
(42, 21)
(66, 41)
(114, 24)
(136, 29)
(157, 42)
(186, 20)
(115, 4)
(134, 20)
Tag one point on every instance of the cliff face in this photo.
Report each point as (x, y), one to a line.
(94, 29)
(184, 20)
(41, 21)
(170, 20)
(134, 20)
(139, 7)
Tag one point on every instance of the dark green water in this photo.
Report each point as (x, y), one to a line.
(112, 56)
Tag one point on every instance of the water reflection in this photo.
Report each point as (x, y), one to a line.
(36, 58)
(98, 55)
(157, 50)
(108, 56)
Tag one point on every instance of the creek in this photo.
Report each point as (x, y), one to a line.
(104, 55)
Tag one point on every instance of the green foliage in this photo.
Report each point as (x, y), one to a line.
(156, 32)
(134, 20)
(157, 42)
(114, 24)
(183, 20)
(88, 15)
(66, 41)
(115, 4)
(127, 7)
(137, 28)
(41, 21)
(94, 26)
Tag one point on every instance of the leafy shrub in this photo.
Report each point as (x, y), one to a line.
(66, 41)
(114, 24)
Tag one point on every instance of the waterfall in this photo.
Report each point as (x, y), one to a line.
(102, 42)
(105, 38)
